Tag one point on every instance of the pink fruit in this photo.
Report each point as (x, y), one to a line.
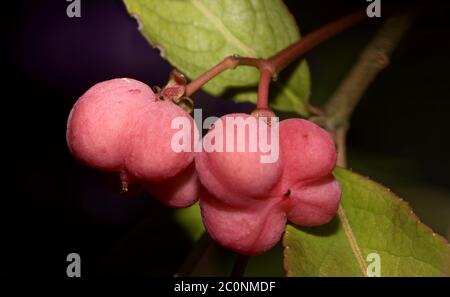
(248, 231)
(120, 126)
(101, 121)
(237, 177)
(177, 191)
(245, 203)
(313, 203)
(310, 150)
(150, 156)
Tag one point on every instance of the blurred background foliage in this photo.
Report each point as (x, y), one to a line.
(398, 137)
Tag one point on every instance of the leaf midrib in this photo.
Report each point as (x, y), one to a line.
(352, 240)
(227, 34)
(232, 39)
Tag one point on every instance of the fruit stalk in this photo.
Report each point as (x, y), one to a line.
(270, 67)
(288, 55)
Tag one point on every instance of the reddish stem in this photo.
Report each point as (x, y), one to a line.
(195, 85)
(263, 88)
(283, 58)
(273, 65)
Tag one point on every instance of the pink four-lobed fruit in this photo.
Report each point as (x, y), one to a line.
(245, 203)
(236, 175)
(119, 125)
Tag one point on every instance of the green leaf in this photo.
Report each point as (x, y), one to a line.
(371, 220)
(194, 35)
(190, 220)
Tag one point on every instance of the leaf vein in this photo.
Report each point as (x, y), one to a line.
(352, 240)
(223, 29)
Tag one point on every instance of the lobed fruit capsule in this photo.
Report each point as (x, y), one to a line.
(119, 125)
(234, 170)
(245, 204)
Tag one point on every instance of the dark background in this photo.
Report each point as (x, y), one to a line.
(55, 206)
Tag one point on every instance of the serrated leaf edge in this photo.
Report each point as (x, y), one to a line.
(355, 247)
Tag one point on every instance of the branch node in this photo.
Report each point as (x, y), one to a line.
(381, 59)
